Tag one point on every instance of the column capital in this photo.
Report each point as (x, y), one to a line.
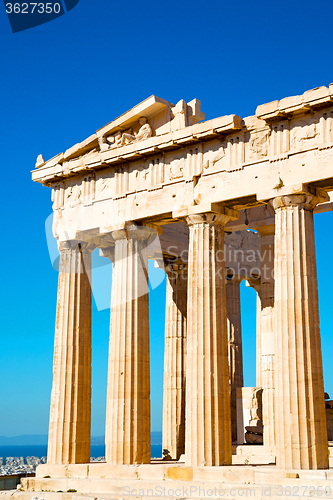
(79, 245)
(217, 215)
(304, 201)
(132, 231)
(207, 218)
(211, 213)
(303, 195)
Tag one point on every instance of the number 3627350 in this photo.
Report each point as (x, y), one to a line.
(33, 8)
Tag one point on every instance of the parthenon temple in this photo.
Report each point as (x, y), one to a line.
(212, 202)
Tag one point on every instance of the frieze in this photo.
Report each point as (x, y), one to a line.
(73, 195)
(176, 167)
(304, 135)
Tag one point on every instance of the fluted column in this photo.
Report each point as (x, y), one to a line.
(208, 425)
(235, 346)
(70, 415)
(301, 435)
(266, 329)
(127, 435)
(258, 338)
(173, 434)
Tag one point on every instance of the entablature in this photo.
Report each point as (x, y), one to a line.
(168, 161)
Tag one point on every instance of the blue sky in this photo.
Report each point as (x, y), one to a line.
(62, 81)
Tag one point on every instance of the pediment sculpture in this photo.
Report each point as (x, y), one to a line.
(128, 137)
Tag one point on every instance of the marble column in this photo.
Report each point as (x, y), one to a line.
(70, 415)
(208, 424)
(258, 338)
(266, 332)
(127, 435)
(173, 435)
(235, 346)
(301, 435)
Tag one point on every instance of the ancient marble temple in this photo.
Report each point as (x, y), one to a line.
(213, 203)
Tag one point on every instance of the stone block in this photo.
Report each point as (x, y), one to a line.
(268, 108)
(253, 459)
(147, 471)
(292, 102)
(319, 93)
(106, 471)
(224, 474)
(77, 471)
(329, 473)
(180, 473)
(51, 470)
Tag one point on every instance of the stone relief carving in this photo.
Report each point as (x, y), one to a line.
(258, 145)
(40, 161)
(73, 195)
(179, 115)
(102, 186)
(328, 130)
(176, 168)
(255, 411)
(214, 157)
(104, 143)
(303, 135)
(254, 431)
(141, 173)
(121, 139)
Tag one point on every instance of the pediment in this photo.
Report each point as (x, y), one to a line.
(159, 117)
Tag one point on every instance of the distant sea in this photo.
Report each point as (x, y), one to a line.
(40, 451)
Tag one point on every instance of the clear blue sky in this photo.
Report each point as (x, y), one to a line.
(62, 81)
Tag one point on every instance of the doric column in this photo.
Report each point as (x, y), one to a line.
(266, 332)
(301, 435)
(208, 425)
(175, 360)
(127, 434)
(258, 339)
(70, 416)
(235, 346)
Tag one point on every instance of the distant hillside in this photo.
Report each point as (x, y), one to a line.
(31, 440)
(25, 440)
